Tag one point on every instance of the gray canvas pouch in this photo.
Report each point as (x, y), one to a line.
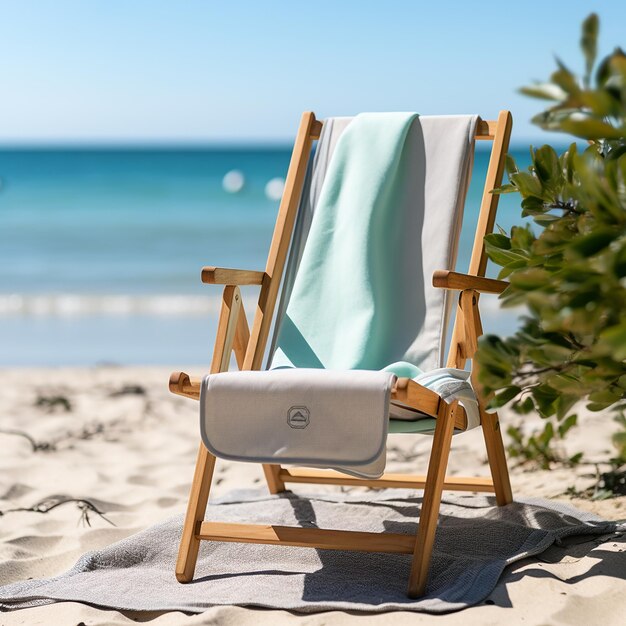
(313, 417)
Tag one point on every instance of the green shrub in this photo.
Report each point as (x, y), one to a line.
(569, 269)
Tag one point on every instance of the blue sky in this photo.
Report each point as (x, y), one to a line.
(148, 71)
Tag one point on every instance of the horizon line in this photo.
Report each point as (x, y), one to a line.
(201, 144)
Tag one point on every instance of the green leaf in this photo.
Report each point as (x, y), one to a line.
(564, 404)
(614, 341)
(506, 271)
(588, 43)
(600, 400)
(547, 163)
(601, 103)
(544, 91)
(526, 406)
(510, 164)
(619, 441)
(527, 184)
(619, 263)
(565, 79)
(505, 396)
(545, 397)
(498, 240)
(575, 459)
(566, 424)
(533, 206)
(522, 237)
(591, 129)
(546, 436)
(566, 383)
(530, 279)
(604, 395)
(547, 219)
(596, 406)
(505, 189)
(594, 242)
(569, 162)
(615, 153)
(504, 257)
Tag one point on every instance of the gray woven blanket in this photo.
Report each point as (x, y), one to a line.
(475, 541)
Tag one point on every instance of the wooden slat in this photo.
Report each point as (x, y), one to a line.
(496, 456)
(489, 204)
(471, 323)
(429, 514)
(184, 385)
(196, 507)
(500, 132)
(280, 242)
(205, 463)
(242, 337)
(233, 296)
(446, 279)
(320, 538)
(400, 481)
(225, 276)
(485, 129)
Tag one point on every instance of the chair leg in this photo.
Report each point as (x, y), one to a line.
(496, 457)
(274, 483)
(196, 508)
(432, 500)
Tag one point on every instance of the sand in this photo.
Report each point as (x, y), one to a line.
(128, 446)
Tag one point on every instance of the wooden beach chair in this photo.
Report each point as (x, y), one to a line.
(249, 345)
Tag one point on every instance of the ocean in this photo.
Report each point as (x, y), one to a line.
(101, 249)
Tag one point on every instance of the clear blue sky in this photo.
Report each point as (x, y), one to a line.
(188, 70)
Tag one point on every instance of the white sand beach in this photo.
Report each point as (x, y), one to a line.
(121, 441)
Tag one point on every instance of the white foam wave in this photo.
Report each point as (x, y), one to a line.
(73, 305)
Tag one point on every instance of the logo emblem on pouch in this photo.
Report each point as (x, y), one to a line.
(298, 417)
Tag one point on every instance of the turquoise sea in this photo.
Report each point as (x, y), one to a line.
(101, 249)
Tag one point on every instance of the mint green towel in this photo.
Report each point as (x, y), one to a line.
(342, 313)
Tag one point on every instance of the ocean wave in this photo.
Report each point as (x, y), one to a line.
(42, 306)
(75, 305)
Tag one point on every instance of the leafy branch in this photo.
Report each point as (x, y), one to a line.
(569, 268)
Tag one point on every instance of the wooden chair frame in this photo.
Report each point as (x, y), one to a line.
(233, 334)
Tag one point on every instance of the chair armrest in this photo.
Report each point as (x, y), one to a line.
(425, 400)
(184, 385)
(405, 390)
(225, 276)
(446, 279)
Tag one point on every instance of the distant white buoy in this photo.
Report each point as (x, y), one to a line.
(274, 188)
(233, 181)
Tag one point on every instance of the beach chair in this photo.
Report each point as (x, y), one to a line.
(249, 346)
